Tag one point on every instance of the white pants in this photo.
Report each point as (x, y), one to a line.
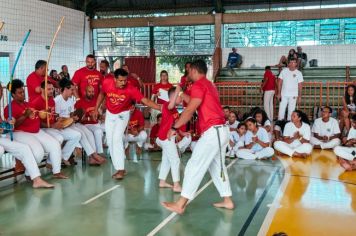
(345, 152)
(140, 139)
(39, 143)
(252, 155)
(286, 101)
(115, 125)
(184, 143)
(289, 149)
(87, 140)
(192, 145)
(98, 136)
(233, 150)
(23, 153)
(71, 136)
(327, 145)
(206, 156)
(268, 103)
(170, 159)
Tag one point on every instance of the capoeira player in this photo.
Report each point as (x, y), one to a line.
(27, 130)
(119, 97)
(347, 153)
(55, 128)
(207, 155)
(170, 156)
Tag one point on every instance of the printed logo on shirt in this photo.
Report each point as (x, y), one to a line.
(116, 99)
(93, 79)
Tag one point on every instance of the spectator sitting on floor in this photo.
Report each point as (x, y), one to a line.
(227, 111)
(349, 107)
(234, 60)
(232, 121)
(237, 140)
(302, 58)
(326, 131)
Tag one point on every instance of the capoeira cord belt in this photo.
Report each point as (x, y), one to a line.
(221, 157)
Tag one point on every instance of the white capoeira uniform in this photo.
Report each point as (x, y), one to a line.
(267, 123)
(98, 133)
(289, 92)
(140, 139)
(170, 159)
(238, 140)
(209, 151)
(257, 151)
(347, 153)
(118, 103)
(296, 145)
(328, 129)
(23, 153)
(63, 109)
(184, 143)
(233, 125)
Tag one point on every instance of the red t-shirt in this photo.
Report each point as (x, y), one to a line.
(154, 131)
(168, 118)
(109, 76)
(33, 81)
(158, 86)
(133, 82)
(39, 104)
(84, 77)
(209, 111)
(88, 106)
(119, 99)
(187, 85)
(136, 120)
(31, 124)
(271, 81)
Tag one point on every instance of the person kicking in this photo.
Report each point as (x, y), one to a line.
(207, 155)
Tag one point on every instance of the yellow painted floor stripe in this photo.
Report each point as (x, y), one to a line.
(319, 198)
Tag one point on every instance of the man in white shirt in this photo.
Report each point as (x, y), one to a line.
(290, 89)
(326, 131)
(347, 153)
(64, 108)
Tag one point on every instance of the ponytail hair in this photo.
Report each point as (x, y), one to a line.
(303, 117)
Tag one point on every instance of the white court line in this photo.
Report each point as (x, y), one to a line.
(99, 195)
(173, 214)
(276, 202)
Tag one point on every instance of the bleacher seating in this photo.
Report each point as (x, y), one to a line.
(317, 74)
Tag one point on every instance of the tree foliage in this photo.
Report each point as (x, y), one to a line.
(180, 61)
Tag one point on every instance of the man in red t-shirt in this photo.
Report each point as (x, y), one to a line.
(185, 82)
(104, 70)
(27, 130)
(136, 129)
(35, 79)
(209, 152)
(85, 76)
(119, 97)
(269, 88)
(132, 78)
(88, 105)
(55, 128)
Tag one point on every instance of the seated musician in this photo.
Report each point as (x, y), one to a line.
(55, 127)
(64, 104)
(27, 130)
(87, 104)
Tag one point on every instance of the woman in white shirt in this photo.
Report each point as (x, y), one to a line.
(347, 153)
(257, 142)
(349, 107)
(296, 136)
(237, 140)
(232, 121)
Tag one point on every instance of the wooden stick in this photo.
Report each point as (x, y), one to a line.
(1, 25)
(48, 59)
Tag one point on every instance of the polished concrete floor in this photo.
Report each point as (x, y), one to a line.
(298, 197)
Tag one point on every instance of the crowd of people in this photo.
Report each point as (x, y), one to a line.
(97, 105)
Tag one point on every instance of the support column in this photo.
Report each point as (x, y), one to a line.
(217, 55)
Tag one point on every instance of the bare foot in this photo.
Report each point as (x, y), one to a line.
(177, 188)
(227, 204)
(164, 184)
(173, 207)
(99, 158)
(66, 163)
(40, 183)
(93, 162)
(60, 176)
